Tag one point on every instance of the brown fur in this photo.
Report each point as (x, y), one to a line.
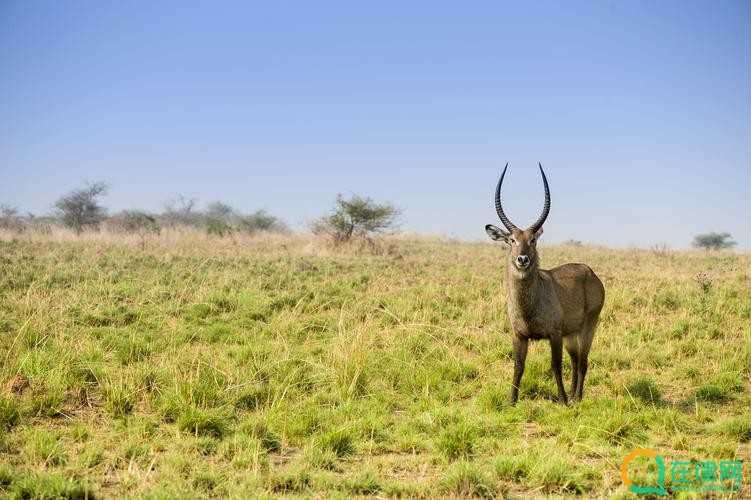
(561, 304)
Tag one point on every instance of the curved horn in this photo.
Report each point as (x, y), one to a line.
(546, 208)
(498, 207)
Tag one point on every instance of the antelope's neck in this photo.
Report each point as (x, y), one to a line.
(522, 291)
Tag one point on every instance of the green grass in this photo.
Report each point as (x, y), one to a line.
(645, 390)
(243, 367)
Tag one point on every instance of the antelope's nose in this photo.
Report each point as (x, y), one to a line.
(522, 260)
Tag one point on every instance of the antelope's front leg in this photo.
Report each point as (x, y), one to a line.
(556, 361)
(520, 357)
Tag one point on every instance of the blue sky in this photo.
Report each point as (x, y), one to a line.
(639, 111)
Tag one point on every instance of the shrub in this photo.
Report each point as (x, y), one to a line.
(260, 220)
(356, 217)
(219, 219)
(135, 222)
(181, 212)
(10, 220)
(40, 224)
(216, 227)
(713, 241)
(80, 209)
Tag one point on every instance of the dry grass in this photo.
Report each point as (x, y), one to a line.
(197, 366)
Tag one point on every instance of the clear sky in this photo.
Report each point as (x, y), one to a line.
(639, 111)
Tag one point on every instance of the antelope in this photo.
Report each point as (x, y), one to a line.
(561, 304)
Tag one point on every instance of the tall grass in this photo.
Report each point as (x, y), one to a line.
(244, 366)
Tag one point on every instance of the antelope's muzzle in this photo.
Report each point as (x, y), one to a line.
(522, 261)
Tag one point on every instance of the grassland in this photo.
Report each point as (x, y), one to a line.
(196, 367)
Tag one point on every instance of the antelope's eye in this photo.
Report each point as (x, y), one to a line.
(532, 241)
(513, 241)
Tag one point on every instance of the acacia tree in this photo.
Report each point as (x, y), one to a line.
(356, 217)
(713, 241)
(80, 208)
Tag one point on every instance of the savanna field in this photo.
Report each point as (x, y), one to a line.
(188, 366)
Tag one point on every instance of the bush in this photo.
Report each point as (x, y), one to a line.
(181, 212)
(135, 222)
(10, 220)
(223, 220)
(713, 241)
(573, 243)
(217, 227)
(219, 219)
(260, 220)
(80, 209)
(41, 224)
(356, 217)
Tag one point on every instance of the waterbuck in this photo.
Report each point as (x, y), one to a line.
(560, 304)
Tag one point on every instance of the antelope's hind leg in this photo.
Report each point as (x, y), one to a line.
(581, 345)
(573, 353)
(556, 362)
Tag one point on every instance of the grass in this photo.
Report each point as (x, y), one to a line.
(244, 367)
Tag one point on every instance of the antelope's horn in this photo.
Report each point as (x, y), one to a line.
(546, 208)
(499, 207)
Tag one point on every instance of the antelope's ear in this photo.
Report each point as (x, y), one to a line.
(496, 233)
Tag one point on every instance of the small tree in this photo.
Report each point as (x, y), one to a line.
(356, 217)
(713, 241)
(260, 220)
(10, 220)
(80, 209)
(181, 211)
